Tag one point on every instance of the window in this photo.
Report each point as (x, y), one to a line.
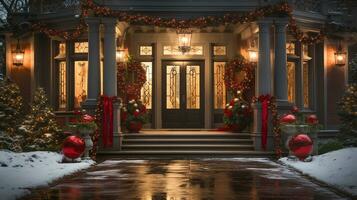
(174, 51)
(62, 49)
(80, 82)
(173, 87)
(291, 81)
(305, 72)
(62, 93)
(146, 50)
(146, 90)
(81, 47)
(290, 48)
(219, 50)
(219, 87)
(193, 86)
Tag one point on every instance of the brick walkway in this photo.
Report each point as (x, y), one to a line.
(188, 179)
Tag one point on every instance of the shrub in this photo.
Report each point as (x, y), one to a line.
(331, 145)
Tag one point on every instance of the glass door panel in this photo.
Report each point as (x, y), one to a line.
(173, 87)
(193, 87)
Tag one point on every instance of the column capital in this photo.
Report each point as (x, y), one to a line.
(92, 20)
(281, 21)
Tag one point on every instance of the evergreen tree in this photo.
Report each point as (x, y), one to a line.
(11, 105)
(40, 128)
(348, 108)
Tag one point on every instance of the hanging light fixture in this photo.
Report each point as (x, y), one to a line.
(253, 52)
(184, 40)
(340, 56)
(18, 55)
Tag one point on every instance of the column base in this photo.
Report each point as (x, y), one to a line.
(283, 106)
(257, 134)
(90, 105)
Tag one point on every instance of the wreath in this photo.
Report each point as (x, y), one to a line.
(237, 66)
(131, 77)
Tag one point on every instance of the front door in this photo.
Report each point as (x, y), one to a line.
(183, 94)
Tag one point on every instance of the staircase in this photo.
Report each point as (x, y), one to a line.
(188, 142)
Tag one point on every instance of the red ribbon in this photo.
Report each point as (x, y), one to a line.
(265, 100)
(107, 121)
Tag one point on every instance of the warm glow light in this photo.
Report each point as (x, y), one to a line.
(122, 55)
(340, 58)
(253, 55)
(18, 55)
(184, 41)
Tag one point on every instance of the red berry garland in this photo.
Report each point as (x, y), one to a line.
(236, 66)
(131, 78)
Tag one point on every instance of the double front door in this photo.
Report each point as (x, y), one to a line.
(183, 94)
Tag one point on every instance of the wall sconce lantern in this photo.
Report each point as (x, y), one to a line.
(184, 40)
(18, 55)
(253, 52)
(340, 56)
(122, 55)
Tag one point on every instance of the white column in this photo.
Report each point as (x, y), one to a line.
(93, 86)
(110, 68)
(280, 71)
(264, 72)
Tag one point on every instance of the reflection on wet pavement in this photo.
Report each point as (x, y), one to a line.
(188, 180)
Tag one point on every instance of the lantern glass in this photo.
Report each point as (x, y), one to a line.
(18, 56)
(253, 55)
(122, 55)
(184, 42)
(340, 58)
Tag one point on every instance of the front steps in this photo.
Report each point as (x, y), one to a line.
(188, 142)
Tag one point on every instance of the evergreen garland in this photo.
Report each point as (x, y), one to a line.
(348, 108)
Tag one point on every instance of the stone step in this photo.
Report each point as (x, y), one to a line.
(187, 153)
(187, 141)
(187, 136)
(188, 147)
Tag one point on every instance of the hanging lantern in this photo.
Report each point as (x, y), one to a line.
(340, 56)
(18, 55)
(184, 41)
(253, 53)
(122, 55)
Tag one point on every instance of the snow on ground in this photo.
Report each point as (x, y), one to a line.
(336, 168)
(20, 171)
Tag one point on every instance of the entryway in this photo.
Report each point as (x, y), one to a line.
(183, 94)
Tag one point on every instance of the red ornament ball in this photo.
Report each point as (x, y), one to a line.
(312, 119)
(294, 109)
(301, 146)
(289, 118)
(73, 147)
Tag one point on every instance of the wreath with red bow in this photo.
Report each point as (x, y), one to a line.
(131, 77)
(232, 68)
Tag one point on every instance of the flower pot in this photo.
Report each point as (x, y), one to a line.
(134, 126)
(85, 133)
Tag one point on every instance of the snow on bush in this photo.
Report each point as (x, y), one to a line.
(336, 168)
(21, 171)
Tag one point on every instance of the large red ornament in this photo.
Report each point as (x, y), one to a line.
(289, 118)
(312, 119)
(301, 146)
(73, 147)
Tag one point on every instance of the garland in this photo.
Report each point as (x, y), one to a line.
(88, 7)
(131, 77)
(272, 106)
(236, 66)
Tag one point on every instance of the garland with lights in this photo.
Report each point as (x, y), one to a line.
(131, 77)
(89, 7)
(272, 106)
(232, 68)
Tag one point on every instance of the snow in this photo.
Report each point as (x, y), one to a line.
(21, 171)
(336, 168)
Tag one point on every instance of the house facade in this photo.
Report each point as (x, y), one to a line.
(184, 90)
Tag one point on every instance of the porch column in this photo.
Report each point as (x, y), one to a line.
(93, 86)
(280, 71)
(110, 75)
(109, 71)
(263, 81)
(264, 75)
